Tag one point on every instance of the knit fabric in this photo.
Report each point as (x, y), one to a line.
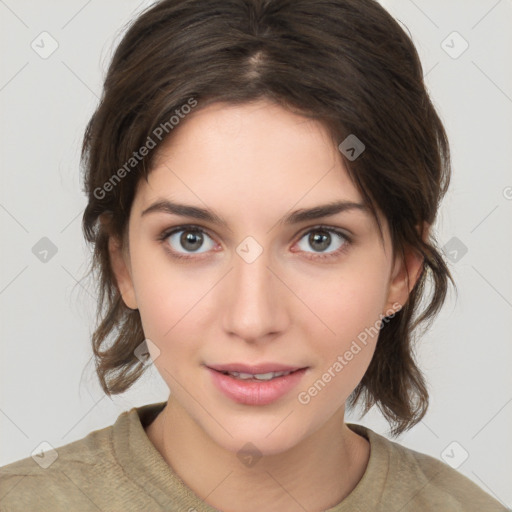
(118, 469)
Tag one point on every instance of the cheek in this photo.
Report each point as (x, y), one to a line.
(348, 308)
(172, 304)
(350, 301)
(168, 313)
(343, 353)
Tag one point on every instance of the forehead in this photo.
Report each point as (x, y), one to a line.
(257, 149)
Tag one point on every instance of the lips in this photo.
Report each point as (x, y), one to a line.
(253, 369)
(258, 384)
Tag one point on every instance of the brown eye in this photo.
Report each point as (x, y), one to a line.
(183, 241)
(191, 240)
(321, 238)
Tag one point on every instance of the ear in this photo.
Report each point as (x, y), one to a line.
(121, 267)
(405, 274)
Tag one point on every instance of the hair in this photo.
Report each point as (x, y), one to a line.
(347, 64)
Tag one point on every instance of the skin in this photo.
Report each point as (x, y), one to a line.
(253, 164)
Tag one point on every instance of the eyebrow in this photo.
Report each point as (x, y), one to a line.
(298, 216)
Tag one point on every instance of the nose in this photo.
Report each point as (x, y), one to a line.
(255, 307)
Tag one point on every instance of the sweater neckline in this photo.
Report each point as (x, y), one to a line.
(144, 465)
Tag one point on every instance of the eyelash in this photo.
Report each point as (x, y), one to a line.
(317, 256)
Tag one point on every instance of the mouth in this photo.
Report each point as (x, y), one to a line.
(260, 372)
(257, 376)
(257, 384)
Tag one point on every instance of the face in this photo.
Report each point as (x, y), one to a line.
(252, 288)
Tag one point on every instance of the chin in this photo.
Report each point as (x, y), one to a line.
(261, 445)
(268, 436)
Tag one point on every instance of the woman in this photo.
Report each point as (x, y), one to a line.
(262, 179)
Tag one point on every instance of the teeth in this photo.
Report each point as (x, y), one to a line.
(258, 376)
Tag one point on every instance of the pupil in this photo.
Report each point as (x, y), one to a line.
(319, 238)
(193, 238)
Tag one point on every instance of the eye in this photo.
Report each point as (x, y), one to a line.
(321, 237)
(184, 242)
(189, 238)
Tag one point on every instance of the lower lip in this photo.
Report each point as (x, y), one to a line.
(252, 392)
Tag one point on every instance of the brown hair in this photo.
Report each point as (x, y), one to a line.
(345, 63)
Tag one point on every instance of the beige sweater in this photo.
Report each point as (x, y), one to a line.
(117, 469)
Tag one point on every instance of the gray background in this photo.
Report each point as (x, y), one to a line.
(49, 391)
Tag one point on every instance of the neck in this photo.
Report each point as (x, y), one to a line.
(314, 475)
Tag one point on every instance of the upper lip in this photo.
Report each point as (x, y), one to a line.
(254, 369)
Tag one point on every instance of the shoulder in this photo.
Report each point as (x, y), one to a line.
(112, 468)
(36, 482)
(437, 483)
(415, 481)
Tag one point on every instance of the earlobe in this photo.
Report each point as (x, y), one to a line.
(122, 273)
(406, 272)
